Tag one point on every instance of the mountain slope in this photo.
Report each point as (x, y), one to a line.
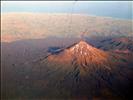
(84, 68)
(83, 55)
(79, 71)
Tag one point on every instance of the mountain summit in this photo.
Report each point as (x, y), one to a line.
(87, 54)
(82, 54)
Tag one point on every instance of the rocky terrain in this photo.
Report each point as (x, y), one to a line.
(65, 57)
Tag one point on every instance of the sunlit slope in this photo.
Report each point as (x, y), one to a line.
(17, 26)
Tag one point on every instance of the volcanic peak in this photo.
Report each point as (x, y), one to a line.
(81, 48)
(82, 54)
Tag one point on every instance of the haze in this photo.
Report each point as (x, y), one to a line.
(115, 9)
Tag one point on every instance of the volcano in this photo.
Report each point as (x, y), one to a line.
(81, 54)
(82, 68)
(77, 72)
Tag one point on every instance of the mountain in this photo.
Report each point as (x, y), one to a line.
(82, 54)
(42, 57)
(78, 70)
(84, 71)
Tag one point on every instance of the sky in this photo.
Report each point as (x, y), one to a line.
(116, 9)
